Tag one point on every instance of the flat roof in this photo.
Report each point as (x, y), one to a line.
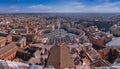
(115, 42)
(4, 34)
(18, 31)
(21, 40)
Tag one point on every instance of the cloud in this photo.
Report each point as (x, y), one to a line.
(70, 7)
(107, 7)
(40, 7)
(13, 8)
(10, 9)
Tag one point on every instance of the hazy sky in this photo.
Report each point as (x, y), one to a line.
(60, 6)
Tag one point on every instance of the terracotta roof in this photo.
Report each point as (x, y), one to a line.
(21, 50)
(7, 47)
(34, 60)
(60, 57)
(39, 45)
(2, 38)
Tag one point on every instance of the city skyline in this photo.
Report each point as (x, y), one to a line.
(42, 35)
(62, 6)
